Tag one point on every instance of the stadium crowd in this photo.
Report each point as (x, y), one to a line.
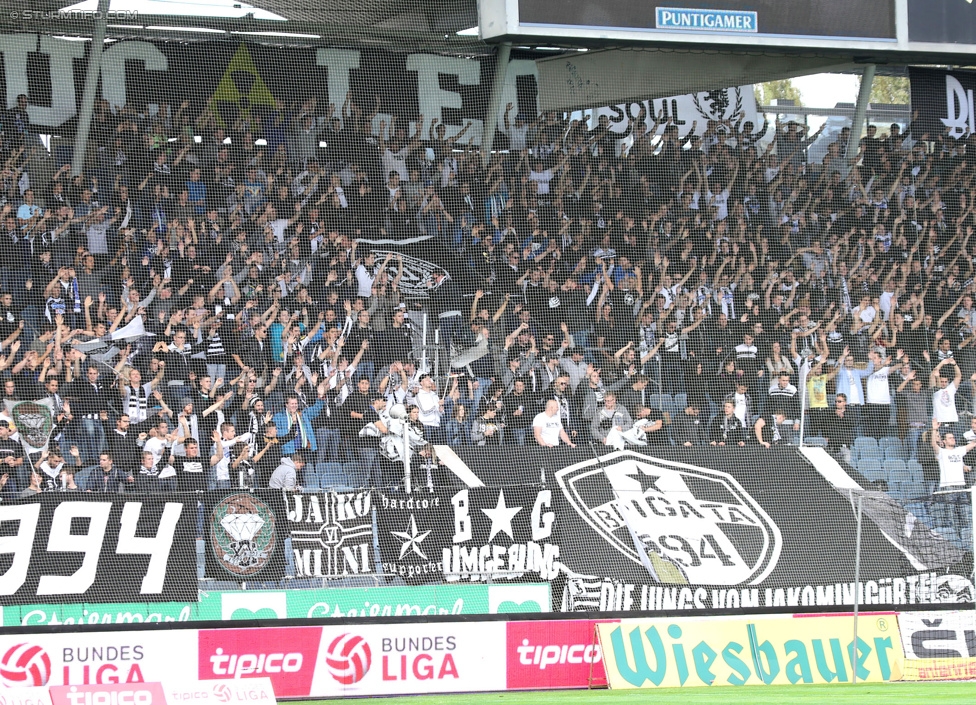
(716, 288)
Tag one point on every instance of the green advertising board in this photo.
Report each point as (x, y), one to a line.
(297, 604)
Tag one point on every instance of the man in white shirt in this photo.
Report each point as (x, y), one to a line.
(366, 272)
(431, 406)
(952, 469)
(878, 398)
(944, 396)
(224, 440)
(547, 427)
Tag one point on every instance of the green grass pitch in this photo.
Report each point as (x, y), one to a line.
(868, 694)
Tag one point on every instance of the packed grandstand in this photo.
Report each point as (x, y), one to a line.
(713, 289)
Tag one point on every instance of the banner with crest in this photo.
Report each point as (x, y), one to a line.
(34, 421)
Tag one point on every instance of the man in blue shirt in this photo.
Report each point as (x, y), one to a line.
(305, 435)
(29, 213)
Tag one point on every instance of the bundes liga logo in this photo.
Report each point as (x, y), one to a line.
(25, 666)
(348, 658)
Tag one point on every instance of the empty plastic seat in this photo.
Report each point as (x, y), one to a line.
(680, 401)
(889, 442)
(942, 513)
(896, 471)
(869, 453)
(948, 533)
(915, 470)
(865, 442)
(894, 453)
(871, 468)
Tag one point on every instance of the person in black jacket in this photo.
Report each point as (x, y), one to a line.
(726, 429)
(110, 479)
(90, 396)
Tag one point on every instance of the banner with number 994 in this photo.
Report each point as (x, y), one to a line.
(87, 548)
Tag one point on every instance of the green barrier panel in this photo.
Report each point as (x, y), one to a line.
(377, 602)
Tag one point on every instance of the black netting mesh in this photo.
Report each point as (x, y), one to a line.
(294, 321)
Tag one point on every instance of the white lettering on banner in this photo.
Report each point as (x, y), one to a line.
(675, 18)
(432, 98)
(338, 63)
(494, 562)
(239, 665)
(960, 118)
(93, 616)
(157, 547)
(926, 588)
(549, 655)
(688, 113)
(542, 521)
(21, 544)
(516, 68)
(403, 609)
(62, 540)
(462, 518)
(61, 54)
(331, 533)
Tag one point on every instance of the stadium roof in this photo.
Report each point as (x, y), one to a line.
(426, 23)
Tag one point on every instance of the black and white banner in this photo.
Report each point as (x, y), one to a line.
(331, 533)
(471, 535)
(90, 548)
(700, 529)
(235, 78)
(944, 103)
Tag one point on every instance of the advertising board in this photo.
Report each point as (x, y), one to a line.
(333, 603)
(360, 660)
(750, 651)
(811, 18)
(560, 654)
(942, 21)
(938, 645)
(95, 658)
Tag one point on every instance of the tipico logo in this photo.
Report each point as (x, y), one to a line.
(348, 658)
(243, 535)
(25, 666)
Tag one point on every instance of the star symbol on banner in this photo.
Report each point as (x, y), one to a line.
(411, 538)
(648, 482)
(501, 517)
